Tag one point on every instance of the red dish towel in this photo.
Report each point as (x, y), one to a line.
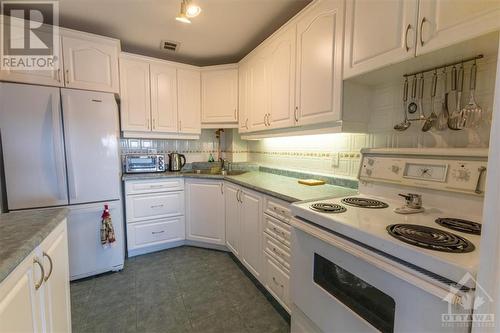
(107, 230)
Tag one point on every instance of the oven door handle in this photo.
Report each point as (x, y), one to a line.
(445, 292)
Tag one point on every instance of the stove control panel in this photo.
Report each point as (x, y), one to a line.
(446, 174)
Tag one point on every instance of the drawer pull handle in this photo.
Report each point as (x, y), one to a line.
(51, 266)
(155, 186)
(38, 284)
(157, 206)
(157, 232)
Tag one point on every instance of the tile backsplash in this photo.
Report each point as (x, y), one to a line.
(195, 150)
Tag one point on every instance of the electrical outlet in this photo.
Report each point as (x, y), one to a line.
(335, 160)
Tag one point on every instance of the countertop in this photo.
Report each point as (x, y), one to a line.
(21, 232)
(281, 187)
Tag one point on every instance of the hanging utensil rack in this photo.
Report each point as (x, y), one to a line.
(463, 61)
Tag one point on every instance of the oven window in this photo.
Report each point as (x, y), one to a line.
(367, 301)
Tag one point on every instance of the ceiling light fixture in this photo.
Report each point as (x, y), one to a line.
(192, 9)
(182, 17)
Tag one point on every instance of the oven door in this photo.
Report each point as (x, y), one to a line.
(340, 291)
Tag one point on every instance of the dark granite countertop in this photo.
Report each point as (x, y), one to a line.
(21, 232)
(281, 187)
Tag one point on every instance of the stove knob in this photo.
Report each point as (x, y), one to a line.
(371, 161)
(369, 172)
(395, 169)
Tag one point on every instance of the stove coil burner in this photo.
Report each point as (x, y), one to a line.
(430, 238)
(326, 207)
(364, 202)
(466, 226)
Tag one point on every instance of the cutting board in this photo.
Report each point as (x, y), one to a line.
(311, 182)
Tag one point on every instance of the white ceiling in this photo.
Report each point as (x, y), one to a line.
(224, 32)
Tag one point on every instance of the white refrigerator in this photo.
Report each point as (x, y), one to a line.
(59, 147)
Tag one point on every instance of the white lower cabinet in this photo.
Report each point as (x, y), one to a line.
(205, 220)
(155, 214)
(233, 223)
(35, 296)
(244, 226)
(276, 250)
(277, 281)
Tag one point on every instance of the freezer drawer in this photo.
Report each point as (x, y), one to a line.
(86, 255)
(154, 206)
(155, 232)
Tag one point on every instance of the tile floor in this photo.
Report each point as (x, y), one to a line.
(186, 289)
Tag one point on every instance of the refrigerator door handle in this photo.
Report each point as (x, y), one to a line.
(71, 174)
(58, 150)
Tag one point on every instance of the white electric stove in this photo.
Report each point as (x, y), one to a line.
(425, 259)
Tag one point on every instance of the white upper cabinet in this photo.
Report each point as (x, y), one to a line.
(319, 62)
(243, 97)
(189, 101)
(205, 220)
(135, 94)
(281, 78)
(258, 110)
(42, 77)
(90, 62)
(378, 33)
(446, 22)
(163, 98)
(159, 99)
(219, 95)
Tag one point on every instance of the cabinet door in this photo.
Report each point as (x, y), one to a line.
(281, 70)
(20, 303)
(56, 285)
(219, 96)
(251, 231)
(233, 225)
(163, 98)
(90, 64)
(319, 63)
(258, 92)
(243, 97)
(205, 211)
(446, 22)
(378, 33)
(189, 101)
(135, 95)
(42, 77)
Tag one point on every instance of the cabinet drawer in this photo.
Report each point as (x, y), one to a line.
(278, 230)
(153, 206)
(277, 282)
(153, 186)
(279, 252)
(278, 209)
(155, 232)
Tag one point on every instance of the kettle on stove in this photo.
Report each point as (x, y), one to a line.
(176, 161)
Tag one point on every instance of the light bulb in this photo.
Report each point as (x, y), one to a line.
(193, 10)
(182, 17)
